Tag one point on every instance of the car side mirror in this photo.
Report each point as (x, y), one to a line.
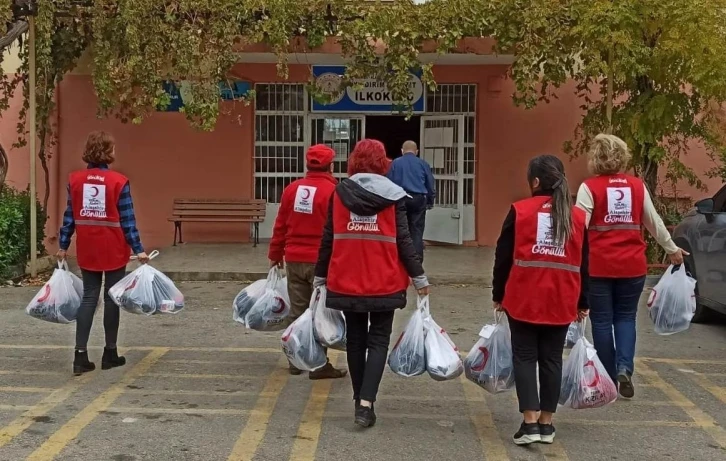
(705, 206)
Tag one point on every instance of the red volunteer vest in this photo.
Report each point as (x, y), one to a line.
(617, 247)
(365, 258)
(100, 242)
(544, 283)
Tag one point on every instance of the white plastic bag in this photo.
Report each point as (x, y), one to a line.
(60, 298)
(147, 291)
(585, 382)
(408, 357)
(247, 298)
(271, 309)
(573, 334)
(442, 356)
(490, 364)
(299, 344)
(672, 303)
(329, 323)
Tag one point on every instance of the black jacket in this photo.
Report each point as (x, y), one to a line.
(504, 259)
(366, 203)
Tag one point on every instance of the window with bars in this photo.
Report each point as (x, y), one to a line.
(279, 138)
(459, 99)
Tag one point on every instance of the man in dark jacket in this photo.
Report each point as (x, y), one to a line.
(367, 259)
(297, 233)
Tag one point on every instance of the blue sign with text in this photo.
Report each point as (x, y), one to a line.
(372, 96)
(227, 92)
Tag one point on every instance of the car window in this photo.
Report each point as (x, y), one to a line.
(719, 201)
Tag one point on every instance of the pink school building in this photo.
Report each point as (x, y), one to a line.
(469, 130)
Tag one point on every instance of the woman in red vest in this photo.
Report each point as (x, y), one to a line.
(367, 259)
(618, 206)
(540, 280)
(101, 214)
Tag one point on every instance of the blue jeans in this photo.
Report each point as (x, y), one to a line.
(416, 214)
(613, 310)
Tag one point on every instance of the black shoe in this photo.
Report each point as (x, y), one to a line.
(81, 364)
(547, 433)
(365, 416)
(111, 359)
(527, 434)
(625, 385)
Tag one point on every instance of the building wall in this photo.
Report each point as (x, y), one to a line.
(165, 158)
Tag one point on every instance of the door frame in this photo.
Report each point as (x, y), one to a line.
(460, 164)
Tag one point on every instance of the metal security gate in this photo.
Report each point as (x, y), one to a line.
(442, 146)
(341, 133)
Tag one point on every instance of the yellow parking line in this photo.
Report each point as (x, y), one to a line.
(63, 436)
(176, 411)
(702, 380)
(254, 430)
(16, 407)
(28, 390)
(701, 418)
(673, 361)
(200, 376)
(491, 443)
(600, 422)
(24, 421)
(32, 373)
(398, 415)
(194, 393)
(308, 433)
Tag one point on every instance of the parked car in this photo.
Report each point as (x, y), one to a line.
(703, 234)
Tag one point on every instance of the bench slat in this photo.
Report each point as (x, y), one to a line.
(254, 207)
(213, 219)
(219, 213)
(216, 201)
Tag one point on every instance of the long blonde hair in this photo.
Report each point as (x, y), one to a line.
(608, 155)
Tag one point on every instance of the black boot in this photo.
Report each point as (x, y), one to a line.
(365, 416)
(81, 364)
(111, 359)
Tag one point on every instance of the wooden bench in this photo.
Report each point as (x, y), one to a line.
(221, 211)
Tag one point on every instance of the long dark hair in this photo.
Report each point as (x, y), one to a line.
(551, 174)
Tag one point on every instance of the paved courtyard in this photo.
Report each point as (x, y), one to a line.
(199, 387)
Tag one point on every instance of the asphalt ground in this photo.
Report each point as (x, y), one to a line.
(197, 386)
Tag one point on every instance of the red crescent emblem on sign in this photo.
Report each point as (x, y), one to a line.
(281, 308)
(622, 195)
(306, 194)
(596, 379)
(45, 295)
(95, 189)
(485, 354)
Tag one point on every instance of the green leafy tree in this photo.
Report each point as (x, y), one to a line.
(664, 60)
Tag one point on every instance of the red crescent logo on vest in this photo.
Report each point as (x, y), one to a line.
(95, 191)
(306, 194)
(622, 195)
(281, 308)
(485, 354)
(45, 295)
(595, 380)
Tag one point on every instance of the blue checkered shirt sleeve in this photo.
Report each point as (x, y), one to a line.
(127, 218)
(69, 225)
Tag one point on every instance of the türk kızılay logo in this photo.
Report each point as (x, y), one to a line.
(363, 223)
(329, 84)
(94, 201)
(546, 244)
(620, 205)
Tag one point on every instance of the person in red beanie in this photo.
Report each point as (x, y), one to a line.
(297, 235)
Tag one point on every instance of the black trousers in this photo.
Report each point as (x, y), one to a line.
(367, 351)
(92, 283)
(416, 214)
(534, 345)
